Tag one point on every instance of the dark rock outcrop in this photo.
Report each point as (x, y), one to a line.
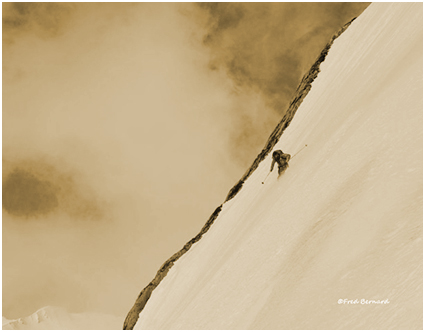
(144, 296)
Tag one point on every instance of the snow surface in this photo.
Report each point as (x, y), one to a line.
(5, 320)
(343, 222)
(55, 318)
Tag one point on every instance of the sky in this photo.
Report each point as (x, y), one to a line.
(124, 127)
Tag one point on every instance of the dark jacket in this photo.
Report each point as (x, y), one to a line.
(281, 159)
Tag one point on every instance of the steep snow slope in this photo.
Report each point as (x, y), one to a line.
(54, 318)
(343, 222)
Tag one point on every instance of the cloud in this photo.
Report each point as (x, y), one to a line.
(44, 19)
(114, 150)
(26, 195)
(35, 188)
(269, 46)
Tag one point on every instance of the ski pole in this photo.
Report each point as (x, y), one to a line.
(266, 178)
(299, 151)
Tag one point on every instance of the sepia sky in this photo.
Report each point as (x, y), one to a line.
(124, 127)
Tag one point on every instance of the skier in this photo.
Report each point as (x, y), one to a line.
(282, 161)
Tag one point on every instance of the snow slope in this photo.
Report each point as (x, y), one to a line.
(343, 222)
(55, 318)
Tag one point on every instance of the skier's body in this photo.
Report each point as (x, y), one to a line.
(282, 161)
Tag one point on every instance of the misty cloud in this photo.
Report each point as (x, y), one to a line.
(118, 122)
(25, 195)
(35, 188)
(44, 19)
(270, 46)
(225, 15)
